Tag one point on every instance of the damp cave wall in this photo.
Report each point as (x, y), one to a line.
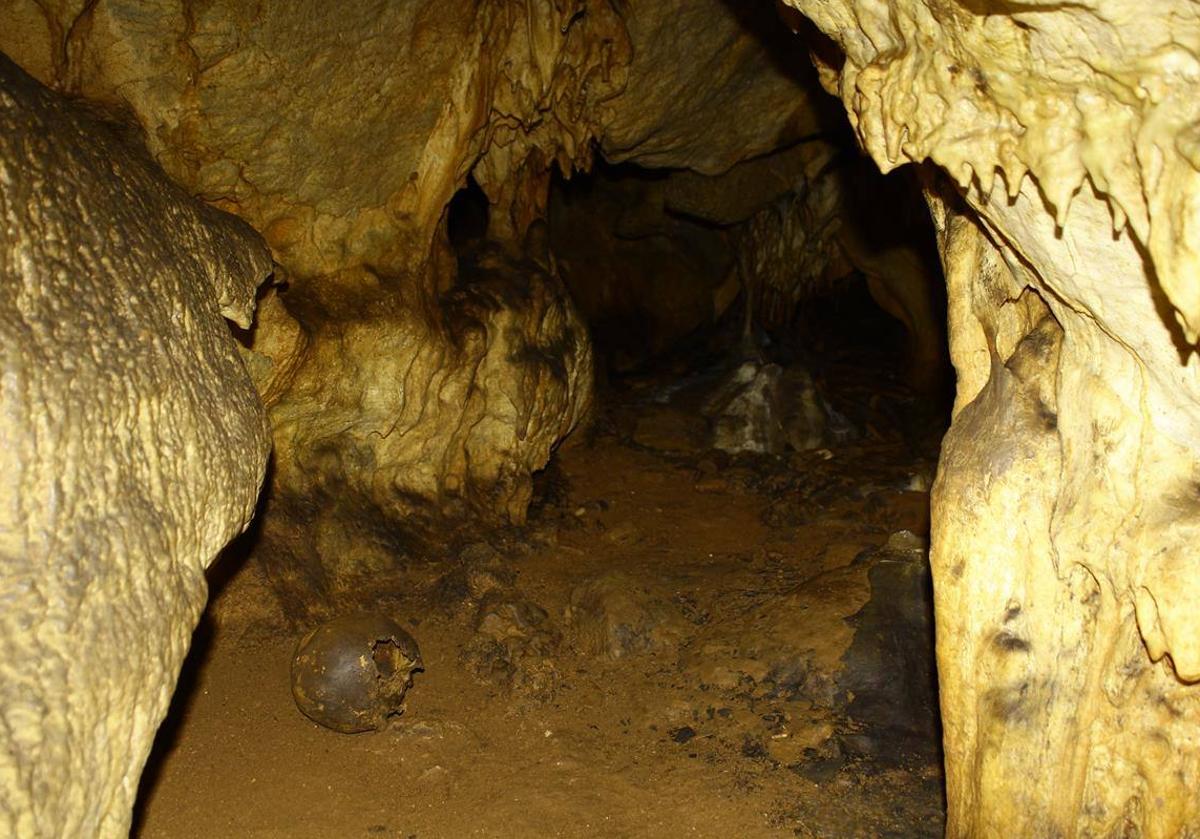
(1067, 236)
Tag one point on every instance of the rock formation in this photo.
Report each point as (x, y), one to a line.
(462, 404)
(401, 391)
(1064, 508)
(342, 136)
(710, 84)
(132, 449)
(398, 391)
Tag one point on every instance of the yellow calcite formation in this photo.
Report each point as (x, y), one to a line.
(342, 132)
(339, 132)
(1066, 508)
(131, 451)
(457, 407)
(1103, 92)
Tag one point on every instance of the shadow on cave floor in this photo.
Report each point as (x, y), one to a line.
(681, 642)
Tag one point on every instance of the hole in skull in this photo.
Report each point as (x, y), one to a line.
(388, 657)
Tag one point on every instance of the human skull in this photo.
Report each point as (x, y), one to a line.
(351, 674)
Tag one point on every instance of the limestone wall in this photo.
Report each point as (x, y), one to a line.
(1064, 510)
(131, 450)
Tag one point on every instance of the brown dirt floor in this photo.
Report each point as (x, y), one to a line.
(625, 683)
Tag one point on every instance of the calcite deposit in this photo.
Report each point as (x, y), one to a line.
(131, 451)
(395, 387)
(446, 415)
(1063, 557)
(404, 391)
(342, 135)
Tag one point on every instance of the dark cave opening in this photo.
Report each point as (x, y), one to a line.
(467, 215)
(675, 273)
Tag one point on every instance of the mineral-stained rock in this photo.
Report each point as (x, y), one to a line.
(1064, 519)
(131, 451)
(789, 648)
(341, 133)
(444, 414)
(711, 83)
(1062, 546)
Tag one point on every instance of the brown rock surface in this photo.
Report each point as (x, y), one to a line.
(342, 134)
(711, 83)
(439, 416)
(131, 451)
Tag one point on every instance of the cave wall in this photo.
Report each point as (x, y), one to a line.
(710, 83)
(132, 449)
(341, 134)
(1064, 509)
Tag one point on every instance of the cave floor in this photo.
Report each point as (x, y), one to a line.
(617, 668)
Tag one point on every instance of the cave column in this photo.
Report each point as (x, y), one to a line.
(1061, 516)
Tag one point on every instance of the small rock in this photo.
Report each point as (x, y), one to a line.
(821, 770)
(917, 483)
(711, 485)
(753, 748)
(513, 644)
(424, 730)
(623, 533)
(611, 615)
(683, 734)
(436, 774)
(905, 541)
